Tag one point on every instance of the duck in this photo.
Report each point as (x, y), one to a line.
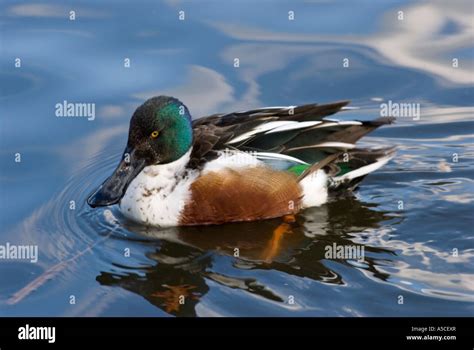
(265, 163)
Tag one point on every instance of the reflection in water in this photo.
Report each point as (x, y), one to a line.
(184, 261)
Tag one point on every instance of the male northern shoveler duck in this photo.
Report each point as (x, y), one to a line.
(259, 164)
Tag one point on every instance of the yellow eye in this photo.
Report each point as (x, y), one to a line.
(154, 134)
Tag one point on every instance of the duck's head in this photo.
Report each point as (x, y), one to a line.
(160, 132)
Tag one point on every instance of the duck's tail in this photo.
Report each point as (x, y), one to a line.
(340, 172)
(347, 170)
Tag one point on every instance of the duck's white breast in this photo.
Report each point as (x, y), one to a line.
(159, 193)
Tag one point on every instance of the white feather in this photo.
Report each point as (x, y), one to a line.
(267, 155)
(349, 122)
(334, 122)
(315, 191)
(259, 129)
(342, 145)
(364, 170)
(294, 125)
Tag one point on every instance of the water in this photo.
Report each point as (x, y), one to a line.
(411, 217)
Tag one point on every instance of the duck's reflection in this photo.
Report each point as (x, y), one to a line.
(184, 259)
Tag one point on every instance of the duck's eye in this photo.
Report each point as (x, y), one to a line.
(154, 134)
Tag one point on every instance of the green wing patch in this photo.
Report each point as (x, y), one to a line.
(298, 169)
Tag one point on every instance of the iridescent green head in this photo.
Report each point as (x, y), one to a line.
(160, 133)
(161, 130)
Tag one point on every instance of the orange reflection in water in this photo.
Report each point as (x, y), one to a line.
(175, 296)
(274, 244)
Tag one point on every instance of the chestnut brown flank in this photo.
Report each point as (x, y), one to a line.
(242, 195)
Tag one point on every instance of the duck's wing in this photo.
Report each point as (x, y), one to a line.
(293, 134)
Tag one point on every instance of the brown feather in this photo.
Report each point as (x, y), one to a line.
(249, 194)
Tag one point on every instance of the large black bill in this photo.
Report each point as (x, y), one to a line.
(113, 189)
